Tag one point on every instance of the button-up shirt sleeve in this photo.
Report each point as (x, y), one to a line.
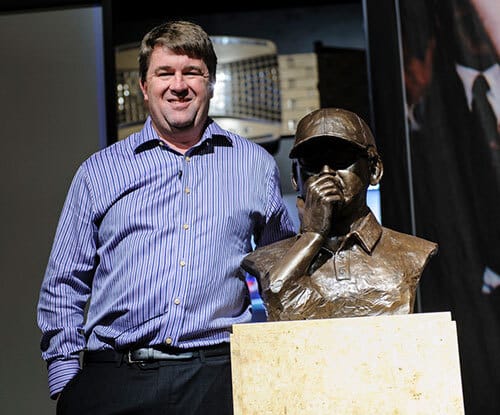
(66, 285)
(60, 373)
(278, 223)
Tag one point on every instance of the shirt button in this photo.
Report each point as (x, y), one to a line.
(177, 301)
(169, 341)
(341, 255)
(185, 226)
(182, 263)
(187, 190)
(187, 158)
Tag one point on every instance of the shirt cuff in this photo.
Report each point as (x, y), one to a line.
(60, 372)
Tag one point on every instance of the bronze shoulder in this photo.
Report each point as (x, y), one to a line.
(416, 249)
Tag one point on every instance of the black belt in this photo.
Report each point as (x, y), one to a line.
(155, 354)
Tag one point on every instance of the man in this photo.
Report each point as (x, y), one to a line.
(462, 127)
(477, 67)
(343, 263)
(150, 239)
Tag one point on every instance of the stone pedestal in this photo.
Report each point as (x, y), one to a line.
(406, 364)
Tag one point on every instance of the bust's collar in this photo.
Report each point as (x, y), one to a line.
(366, 231)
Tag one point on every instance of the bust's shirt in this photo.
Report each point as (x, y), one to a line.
(375, 270)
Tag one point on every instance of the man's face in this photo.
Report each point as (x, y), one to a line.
(177, 91)
(343, 164)
(473, 46)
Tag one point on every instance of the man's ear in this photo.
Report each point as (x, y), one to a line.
(144, 89)
(295, 174)
(376, 171)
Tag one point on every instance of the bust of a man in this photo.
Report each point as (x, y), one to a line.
(342, 263)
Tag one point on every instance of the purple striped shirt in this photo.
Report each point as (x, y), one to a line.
(156, 239)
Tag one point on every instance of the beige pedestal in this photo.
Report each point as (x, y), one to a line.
(362, 365)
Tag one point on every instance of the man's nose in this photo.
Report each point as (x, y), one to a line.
(327, 169)
(178, 81)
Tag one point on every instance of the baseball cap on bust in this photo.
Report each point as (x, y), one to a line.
(332, 122)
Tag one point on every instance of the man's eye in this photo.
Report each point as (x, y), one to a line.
(315, 168)
(192, 74)
(165, 74)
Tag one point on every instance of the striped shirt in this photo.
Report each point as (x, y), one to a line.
(156, 239)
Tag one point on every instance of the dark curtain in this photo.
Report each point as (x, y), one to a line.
(452, 196)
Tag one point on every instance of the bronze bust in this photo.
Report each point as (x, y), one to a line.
(342, 263)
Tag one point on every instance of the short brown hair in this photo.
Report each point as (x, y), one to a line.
(183, 38)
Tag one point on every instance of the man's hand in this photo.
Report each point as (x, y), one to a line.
(323, 194)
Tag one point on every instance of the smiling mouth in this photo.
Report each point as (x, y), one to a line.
(179, 100)
(179, 104)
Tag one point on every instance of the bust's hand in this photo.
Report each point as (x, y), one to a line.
(322, 194)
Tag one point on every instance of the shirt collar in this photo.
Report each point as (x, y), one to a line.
(468, 75)
(367, 231)
(213, 135)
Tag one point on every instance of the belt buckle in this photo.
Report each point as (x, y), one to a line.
(130, 360)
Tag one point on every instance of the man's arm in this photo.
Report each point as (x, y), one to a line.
(296, 260)
(66, 286)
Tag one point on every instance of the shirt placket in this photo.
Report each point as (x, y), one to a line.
(341, 261)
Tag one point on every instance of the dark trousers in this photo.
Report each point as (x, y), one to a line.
(199, 386)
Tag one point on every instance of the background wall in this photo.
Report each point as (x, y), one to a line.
(52, 117)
